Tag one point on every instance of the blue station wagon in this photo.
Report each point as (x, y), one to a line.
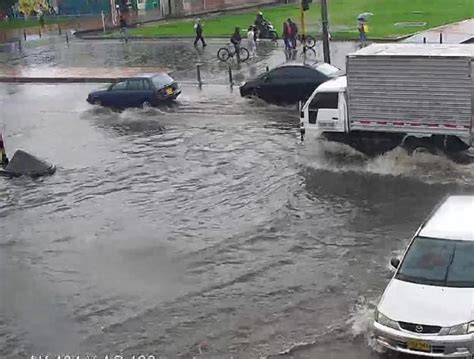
(139, 91)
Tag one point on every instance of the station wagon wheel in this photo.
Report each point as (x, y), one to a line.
(146, 104)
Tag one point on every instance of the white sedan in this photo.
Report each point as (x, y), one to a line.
(427, 308)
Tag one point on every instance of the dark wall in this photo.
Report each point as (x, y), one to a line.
(83, 6)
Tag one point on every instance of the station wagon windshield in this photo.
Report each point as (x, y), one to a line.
(439, 262)
(161, 80)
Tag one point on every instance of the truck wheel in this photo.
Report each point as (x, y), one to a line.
(414, 145)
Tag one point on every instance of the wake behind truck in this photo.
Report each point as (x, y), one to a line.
(419, 96)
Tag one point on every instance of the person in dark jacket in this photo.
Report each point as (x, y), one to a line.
(293, 33)
(286, 35)
(261, 25)
(123, 28)
(198, 30)
(235, 40)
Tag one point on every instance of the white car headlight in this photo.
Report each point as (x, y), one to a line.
(385, 321)
(460, 329)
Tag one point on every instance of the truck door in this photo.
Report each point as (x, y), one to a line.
(323, 111)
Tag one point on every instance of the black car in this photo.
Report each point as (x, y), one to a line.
(289, 83)
(139, 91)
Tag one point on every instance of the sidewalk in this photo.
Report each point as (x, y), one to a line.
(456, 33)
(71, 75)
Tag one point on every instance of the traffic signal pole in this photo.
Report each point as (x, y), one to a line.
(325, 34)
(303, 31)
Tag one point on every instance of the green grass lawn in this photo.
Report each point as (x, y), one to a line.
(342, 18)
(31, 22)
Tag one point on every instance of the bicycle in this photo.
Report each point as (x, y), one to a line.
(308, 41)
(308, 53)
(225, 53)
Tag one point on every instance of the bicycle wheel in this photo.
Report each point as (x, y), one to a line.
(244, 54)
(223, 54)
(310, 41)
(310, 53)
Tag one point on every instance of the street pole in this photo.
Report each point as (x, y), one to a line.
(302, 18)
(303, 30)
(103, 20)
(324, 20)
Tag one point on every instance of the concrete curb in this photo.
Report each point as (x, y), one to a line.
(158, 38)
(67, 80)
(436, 28)
(16, 79)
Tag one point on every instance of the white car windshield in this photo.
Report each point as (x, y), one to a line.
(439, 262)
(162, 80)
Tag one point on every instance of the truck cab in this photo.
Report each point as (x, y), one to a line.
(326, 109)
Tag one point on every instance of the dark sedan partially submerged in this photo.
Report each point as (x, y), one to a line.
(289, 83)
(140, 91)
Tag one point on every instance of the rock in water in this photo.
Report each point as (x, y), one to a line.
(24, 164)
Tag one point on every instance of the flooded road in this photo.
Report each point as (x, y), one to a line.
(203, 229)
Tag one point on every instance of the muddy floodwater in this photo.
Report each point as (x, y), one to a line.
(202, 229)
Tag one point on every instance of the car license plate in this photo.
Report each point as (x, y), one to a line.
(169, 91)
(419, 345)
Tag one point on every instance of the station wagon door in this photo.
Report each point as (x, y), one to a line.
(138, 91)
(116, 95)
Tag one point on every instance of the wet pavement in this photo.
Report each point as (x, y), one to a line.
(456, 33)
(203, 229)
(178, 55)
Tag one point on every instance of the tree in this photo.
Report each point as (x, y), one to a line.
(28, 6)
(7, 4)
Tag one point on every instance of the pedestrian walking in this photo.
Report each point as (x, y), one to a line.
(251, 41)
(287, 35)
(41, 20)
(198, 30)
(123, 28)
(363, 27)
(293, 33)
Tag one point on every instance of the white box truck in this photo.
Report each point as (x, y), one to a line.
(419, 96)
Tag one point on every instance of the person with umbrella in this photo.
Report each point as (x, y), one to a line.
(362, 26)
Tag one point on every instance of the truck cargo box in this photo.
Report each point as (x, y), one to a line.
(412, 88)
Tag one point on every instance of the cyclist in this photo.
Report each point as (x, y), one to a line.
(236, 39)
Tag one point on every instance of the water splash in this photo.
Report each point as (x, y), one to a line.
(361, 319)
(426, 167)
